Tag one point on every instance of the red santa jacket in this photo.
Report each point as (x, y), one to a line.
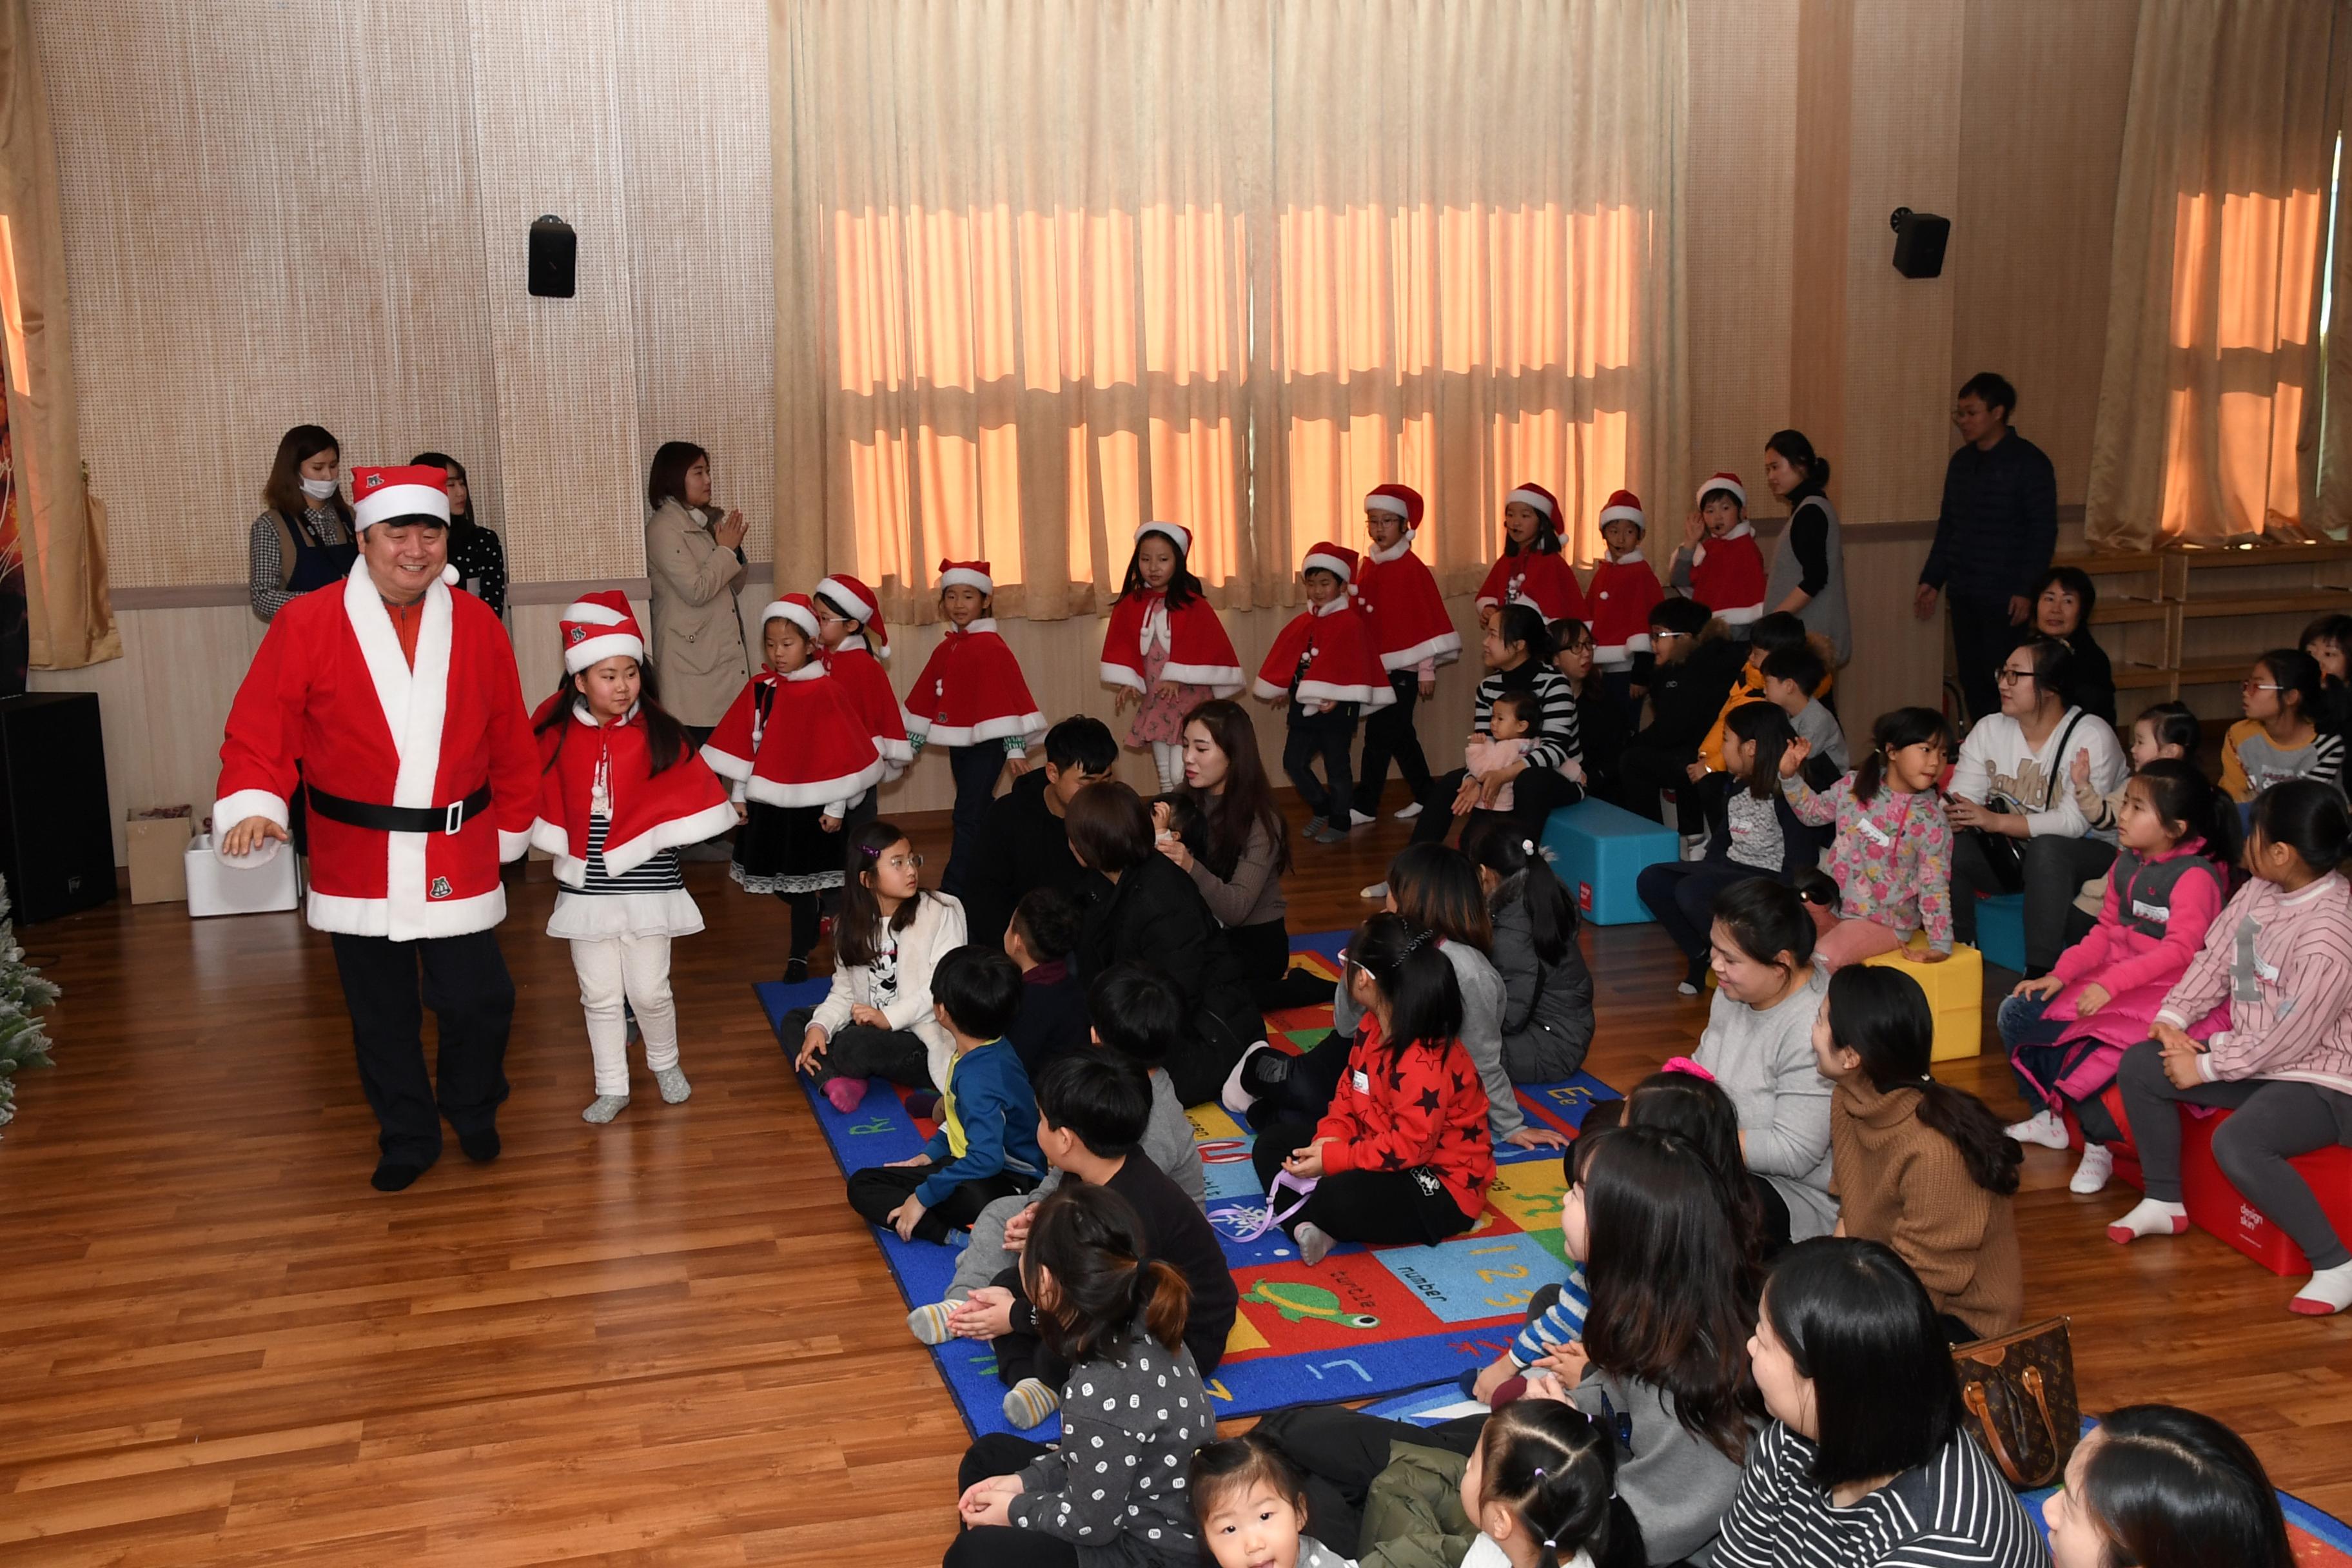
(972, 691)
(1622, 593)
(1409, 619)
(1421, 1106)
(796, 740)
(1727, 576)
(867, 685)
(647, 812)
(331, 691)
(1335, 639)
(1198, 651)
(1546, 582)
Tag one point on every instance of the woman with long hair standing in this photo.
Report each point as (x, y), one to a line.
(304, 538)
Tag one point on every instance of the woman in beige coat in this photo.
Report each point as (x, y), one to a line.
(695, 565)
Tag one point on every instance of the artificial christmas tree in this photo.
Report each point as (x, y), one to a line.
(23, 993)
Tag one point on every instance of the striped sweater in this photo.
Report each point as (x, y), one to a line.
(2284, 963)
(1555, 736)
(1954, 1511)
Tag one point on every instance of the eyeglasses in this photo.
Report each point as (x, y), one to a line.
(2251, 684)
(903, 863)
(2007, 676)
(1666, 637)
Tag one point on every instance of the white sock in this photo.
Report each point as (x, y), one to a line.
(2329, 1290)
(1169, 758)
(2150, 1217)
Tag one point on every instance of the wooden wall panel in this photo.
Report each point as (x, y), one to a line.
(2042, 94)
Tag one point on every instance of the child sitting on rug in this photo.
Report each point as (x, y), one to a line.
(986, 1145)
(620, 789)
(1402, 1155)
(1092, 1114)
(800, 756)
(1133, 1408)
(1250, 1501)
(1141, 1018)
(1052, 1022)
(877, 1020)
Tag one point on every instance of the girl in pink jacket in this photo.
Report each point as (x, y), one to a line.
(2066, 1031)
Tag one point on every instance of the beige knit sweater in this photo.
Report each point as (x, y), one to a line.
(1903, 1183)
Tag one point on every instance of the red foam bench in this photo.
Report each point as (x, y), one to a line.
(2215, 1206)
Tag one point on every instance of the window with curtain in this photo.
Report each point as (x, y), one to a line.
(1060, 268)
(2209, 428)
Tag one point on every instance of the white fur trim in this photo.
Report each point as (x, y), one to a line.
(587, 613)
(595, 650)
(1267, 689)
(820, 793)
(400, 500)
(1638, 643)
(235, 807)
(1402, 547)
(1391, 505)
(1331, 563)
(1610, 514)
(1722, 482)
(779, 611)
(835, 590)
(512, 845)
(1029, 725)
(1740, 616)
(894, 751)
(374, 917)
(550, 837)
(964, 577)
(1531, 498)
(1444, 648)
(1222, 680)
(726, 764)
(415, 704)
(1119, 675)
(1379, 696)
(1175, 532)
(708, 822)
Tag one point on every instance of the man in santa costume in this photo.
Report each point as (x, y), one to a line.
(398, 702)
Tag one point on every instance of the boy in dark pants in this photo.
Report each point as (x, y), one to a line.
(1092, 1110)
(986, 1145)
(1326, 665)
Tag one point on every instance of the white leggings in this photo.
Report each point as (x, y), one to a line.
(1168, 756)
(633, 968)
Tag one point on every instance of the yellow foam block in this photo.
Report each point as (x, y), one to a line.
(1955, 991)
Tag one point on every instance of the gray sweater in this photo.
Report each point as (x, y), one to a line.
(1482, 1031)
(1547, 1008)
(1764, 1060)
(1678, 1484)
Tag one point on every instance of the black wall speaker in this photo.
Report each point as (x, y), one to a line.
(56, 830)
(554, 249)
(1920, 241)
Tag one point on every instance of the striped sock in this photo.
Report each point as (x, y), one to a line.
(930, 1323)
(1029, 1401)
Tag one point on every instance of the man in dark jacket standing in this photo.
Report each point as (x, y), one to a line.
(1994, 536)
(1025, 845)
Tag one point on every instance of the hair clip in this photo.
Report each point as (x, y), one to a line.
(1528, 847)
(1539, 1477)
(1413, 941)
(1684, 1065)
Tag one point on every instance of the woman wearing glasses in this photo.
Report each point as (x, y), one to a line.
(2017, 826)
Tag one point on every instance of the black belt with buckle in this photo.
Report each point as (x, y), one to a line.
(398, 819)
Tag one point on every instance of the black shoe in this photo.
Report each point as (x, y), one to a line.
(923, 1104)
(796, 972)
(392, 1175)
(480, 1147)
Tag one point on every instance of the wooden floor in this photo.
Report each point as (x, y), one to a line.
(666, 1341)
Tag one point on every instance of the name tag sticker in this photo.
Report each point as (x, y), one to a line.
(2147, 911)
(1363, 1081)
(1872, 832)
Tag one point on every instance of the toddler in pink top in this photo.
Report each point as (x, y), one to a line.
(1892, 857)
(1510, 724)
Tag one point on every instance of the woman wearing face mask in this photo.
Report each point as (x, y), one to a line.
(694, 560)
(303, 539)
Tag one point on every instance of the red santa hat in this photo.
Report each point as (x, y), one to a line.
(797, 608)
(1397, 500)
(1175, 532)
(598, 627)
(1624, 507)
(1337, 559)
(861, 605)
(1542, 499)
(414, 490)
(966, 575)
(1723, 481)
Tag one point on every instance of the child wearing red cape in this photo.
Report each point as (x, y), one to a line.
(1719, 563)
(1165, 649)
(971, 698)
(1413, 636)
(1533, 569)
(1325, 665)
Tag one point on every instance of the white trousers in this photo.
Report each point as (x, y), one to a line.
(635, 969)
(1168, 758)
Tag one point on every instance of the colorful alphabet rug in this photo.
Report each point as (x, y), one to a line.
(1363, 1323)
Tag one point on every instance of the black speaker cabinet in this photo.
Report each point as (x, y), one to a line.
(554, 250)
(1920, 241)
(56, 830)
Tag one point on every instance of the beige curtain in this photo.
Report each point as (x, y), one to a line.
(1047, 269)
(1479, 217)
(61, 536)
(2212, 311)
(2330, 505)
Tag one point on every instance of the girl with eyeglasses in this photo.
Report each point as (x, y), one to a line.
(2291, 730)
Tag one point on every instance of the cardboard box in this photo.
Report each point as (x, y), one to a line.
(158, 840)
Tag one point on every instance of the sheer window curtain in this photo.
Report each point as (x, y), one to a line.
(1047, 269)
(2208, 422)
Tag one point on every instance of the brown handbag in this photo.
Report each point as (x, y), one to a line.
(2018, 1391)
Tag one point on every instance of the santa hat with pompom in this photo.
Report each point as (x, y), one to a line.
(861, 605)
(797, 608)
(1397, 500)
(1624, 507)
(966, 575)
(597, 627)
(1337, 559)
